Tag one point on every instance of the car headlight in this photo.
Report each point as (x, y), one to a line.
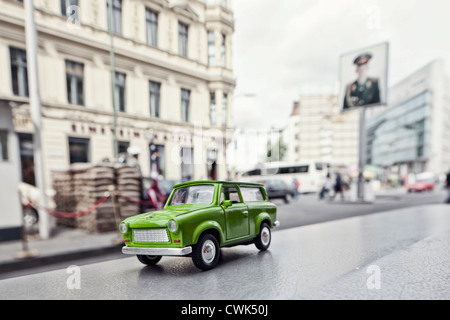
(173, 226)
(123, 228)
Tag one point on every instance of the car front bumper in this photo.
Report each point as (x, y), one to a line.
(157, 251)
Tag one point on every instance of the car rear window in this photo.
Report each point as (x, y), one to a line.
(251, 194)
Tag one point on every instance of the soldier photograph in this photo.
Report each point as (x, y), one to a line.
(364, 90)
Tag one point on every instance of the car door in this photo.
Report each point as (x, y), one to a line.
(236, 215)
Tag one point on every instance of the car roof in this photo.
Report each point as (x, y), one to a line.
(239, 183)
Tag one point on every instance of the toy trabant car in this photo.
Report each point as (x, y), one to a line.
(198, 219)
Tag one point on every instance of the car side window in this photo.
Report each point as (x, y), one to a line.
(230, 193)
(251, 194)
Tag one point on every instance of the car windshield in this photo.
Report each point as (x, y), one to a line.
(202, 194)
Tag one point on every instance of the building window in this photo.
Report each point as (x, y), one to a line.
(224, 50)
(74, 80)
(182, 39)
(212, 108)
(157, 160)
(3, 145)
(185, 102)
(420, 144)
(151, 18)
(224, 3)
(78, 150)
(187, 164)
(116, 15)
(66, 4)
(26, 147)
(225, 110)
(122, 147)
(120, 91)
(211, 48)
(19, 73)
(155, 94)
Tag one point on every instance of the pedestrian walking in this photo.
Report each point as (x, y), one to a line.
(338, 186)
(325, 192)
(295, 186)
(447, 185)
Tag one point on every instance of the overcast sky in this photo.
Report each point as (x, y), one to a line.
(282, 48)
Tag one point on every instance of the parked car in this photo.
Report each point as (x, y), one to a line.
(421, 182)
(198, 219)
(279, 189)
(157, 192)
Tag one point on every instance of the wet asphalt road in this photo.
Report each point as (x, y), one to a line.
(402, 254)
(308, 209)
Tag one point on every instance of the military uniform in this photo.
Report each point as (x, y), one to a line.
(360, 94)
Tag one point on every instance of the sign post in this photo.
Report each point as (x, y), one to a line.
(362, 152)
(363, 78)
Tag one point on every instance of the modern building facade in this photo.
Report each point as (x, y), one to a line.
(173, 82)
(413, 134)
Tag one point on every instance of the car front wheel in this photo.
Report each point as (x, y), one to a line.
(149, 260)
(206, 252)
(264, 237)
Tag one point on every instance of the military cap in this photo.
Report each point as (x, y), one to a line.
(362, 59)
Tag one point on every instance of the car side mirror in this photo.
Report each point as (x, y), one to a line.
(226, 203)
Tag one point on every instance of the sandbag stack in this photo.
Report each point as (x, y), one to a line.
(64, 196)
(90, 184)
(83, 185)
(128, 183)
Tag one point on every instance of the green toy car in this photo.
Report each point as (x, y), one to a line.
(198, 219)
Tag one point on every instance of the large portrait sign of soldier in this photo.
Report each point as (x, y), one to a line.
(363, 77)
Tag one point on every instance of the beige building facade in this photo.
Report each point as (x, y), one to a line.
(317, 131)
(173, 82)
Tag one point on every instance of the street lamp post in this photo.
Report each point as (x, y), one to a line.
(35, 110)
(113, 76)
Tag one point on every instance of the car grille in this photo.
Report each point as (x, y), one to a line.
(151, 235)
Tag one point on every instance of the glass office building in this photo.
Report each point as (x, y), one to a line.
(401, 135)
(412, 135)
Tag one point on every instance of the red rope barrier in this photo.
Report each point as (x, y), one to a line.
(71, 214)
(146, 203)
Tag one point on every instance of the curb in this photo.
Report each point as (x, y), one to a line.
(16, 265)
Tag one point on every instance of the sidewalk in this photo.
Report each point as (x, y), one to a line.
(383, 192)
(371, 196)
(66, 244)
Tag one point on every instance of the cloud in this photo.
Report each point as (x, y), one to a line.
(282, 47)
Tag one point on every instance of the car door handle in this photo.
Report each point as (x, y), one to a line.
(245, 212)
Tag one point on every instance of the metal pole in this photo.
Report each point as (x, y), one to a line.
(115, 203)
(112, 62)
(26, 253)
(116, 211)
(362, 152)
(35, 109)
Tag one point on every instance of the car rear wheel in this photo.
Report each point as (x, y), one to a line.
(206, 252)
(264, 237)
(149, 260)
